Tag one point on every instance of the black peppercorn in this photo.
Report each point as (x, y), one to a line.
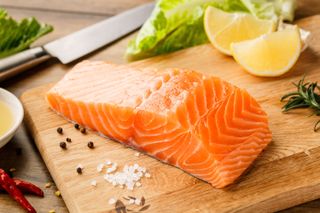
(77, 126)
(90, 144)
(79, 170)
(83, 130)
(68, 140)
(63, 145)
(60, 130)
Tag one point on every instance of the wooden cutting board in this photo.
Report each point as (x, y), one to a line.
(286, 174)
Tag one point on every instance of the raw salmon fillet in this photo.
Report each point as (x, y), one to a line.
(198, 123)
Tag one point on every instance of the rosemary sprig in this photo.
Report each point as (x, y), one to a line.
(304, 97)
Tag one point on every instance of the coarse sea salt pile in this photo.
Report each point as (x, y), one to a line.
(129, 177)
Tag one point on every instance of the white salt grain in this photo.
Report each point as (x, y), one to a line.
(112, 201)
(147, 175)
(137, 154)
(137, 202)
(131, 201)
(136, 166)
(111, 169)
(100, 167)
(140, 174)
(93, 183)
(141, 169)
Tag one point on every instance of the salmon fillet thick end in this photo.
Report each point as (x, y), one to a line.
(198, 123)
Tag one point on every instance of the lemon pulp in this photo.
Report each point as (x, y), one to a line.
(269, 55)
(224, 28)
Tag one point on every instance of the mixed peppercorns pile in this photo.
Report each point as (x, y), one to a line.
(63, 144)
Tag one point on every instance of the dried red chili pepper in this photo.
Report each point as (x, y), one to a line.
(9, 185)
(27, 188)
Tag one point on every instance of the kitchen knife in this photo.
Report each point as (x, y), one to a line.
(78, 44)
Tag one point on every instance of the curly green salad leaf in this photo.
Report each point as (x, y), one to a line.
(178, 24)
(17, 36)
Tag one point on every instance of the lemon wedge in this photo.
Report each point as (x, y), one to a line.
(224, 28)
(269, 55)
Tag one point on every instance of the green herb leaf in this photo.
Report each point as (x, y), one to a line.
(304, 97)
(17, 36)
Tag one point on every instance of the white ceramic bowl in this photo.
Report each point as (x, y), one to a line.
(17, 110)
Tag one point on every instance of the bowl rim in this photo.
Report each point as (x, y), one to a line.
(18, 119)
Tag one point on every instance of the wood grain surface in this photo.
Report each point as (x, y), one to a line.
(105, 7)
(66, 17)
(286, 174)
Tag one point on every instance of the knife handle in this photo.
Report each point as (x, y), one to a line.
(24, 60)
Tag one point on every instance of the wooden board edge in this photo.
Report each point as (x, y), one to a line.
(282, 201)
(304, 191)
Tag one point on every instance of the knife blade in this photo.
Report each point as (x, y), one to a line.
(78, 44)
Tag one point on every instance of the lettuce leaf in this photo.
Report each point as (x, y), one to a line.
(17, 36)
(178, 24)
(271, 9)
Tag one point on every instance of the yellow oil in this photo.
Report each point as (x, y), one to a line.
(6, 118)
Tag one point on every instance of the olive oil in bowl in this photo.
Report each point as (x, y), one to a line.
(6, 118)
(11, 116)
